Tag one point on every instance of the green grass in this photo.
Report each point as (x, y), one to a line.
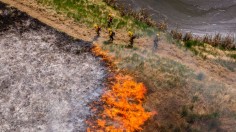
(227, 64)
(192, 43)
(147, 67)
(90, 13)
(191, 117)
(233, 56)
(174, 80)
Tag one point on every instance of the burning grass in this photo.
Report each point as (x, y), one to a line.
(170, 86)
(122, 104)
(97, 51)
(123, 110)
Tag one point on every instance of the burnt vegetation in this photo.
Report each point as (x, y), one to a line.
(37, 63)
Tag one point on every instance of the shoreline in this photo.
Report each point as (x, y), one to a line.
(206, 28)
(220, 40)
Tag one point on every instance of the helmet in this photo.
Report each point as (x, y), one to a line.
(109, 29)
(110, 15)
(130, 33)
(95, 25)
(158, 34)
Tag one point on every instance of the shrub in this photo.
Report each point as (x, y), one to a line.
(228, 42)
(162, 26)
(233, 56)
(188, 36)
(217, 40)
(176, 34)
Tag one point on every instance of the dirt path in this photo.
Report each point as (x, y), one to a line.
(51, 18)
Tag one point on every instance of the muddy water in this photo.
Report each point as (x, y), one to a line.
(198, 16)
(47, 79)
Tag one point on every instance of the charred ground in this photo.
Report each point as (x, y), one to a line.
(47, 79)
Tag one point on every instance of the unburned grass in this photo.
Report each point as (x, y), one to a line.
(91, 12)
(230, 65)
(233, 56)
(171, 86)
(154, 71)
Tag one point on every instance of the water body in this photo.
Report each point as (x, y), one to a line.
(197, 16)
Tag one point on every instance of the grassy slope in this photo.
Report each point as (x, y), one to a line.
(92, 12)
(175, 91)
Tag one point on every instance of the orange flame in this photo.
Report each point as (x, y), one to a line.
(123, 110)
(123, 105)
(97, 51)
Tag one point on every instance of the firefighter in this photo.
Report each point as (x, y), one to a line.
(111, 34)
(97, 29)
(156, 40)
(131, 40)
(109, 20)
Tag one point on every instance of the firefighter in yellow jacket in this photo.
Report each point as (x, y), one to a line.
(109, 20)
(111, 34)
(156, 41)
(97, 29)
(131, 38)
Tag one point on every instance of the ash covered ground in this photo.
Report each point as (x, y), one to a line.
(47, 79)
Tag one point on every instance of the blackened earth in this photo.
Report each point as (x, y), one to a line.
(47, 79)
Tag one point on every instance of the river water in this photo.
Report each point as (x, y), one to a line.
(197, 16)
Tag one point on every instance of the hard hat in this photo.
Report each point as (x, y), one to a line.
(130, 33)
(158, 34)
(95, 25)
(109, 29)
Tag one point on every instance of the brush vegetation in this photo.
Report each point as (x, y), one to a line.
(218, 49)
(91, 12)
(227, 42)
(185, 100)
(174, 90)
(142, 15)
